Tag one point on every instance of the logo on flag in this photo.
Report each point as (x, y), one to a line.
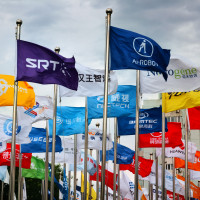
(145, 48)
(3, 86)
(7, 127)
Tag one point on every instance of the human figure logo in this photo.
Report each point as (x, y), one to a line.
(143, 47)
(3, 86)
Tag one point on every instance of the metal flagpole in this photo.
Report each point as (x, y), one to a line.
(118, 189)
(115, 158)
(107, 185)
(156, 177)
(174, 189)
(186, 158)
(20, 175)
(90, 188)
(47, 161)
(97, 182)
(75, 163)
(57, 50)
(86, 149)
(69, 184)
(43, 190)
(2, 187)
(12, 162)
(150, 185)
(137, 132)
(163, 156)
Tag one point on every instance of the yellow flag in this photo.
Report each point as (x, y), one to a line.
(180, 100)
(93, 193)
(26, 95)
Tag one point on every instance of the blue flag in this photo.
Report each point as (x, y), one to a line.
(38, 142)
(70, 120)
(65, 186)
(122, 103)
(124, 154)
(131, 50)
(150, 121)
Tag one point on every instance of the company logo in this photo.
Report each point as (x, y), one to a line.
(3, 86)
(143, 47)
(7, 127)
(59, 120)
(143, 115)
(156, 134)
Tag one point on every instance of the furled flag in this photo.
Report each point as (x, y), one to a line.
(109, 176)
(38, 64)
(3, 172)
(150, 120)
(43, 109)
(120, 104)
(22, 131)
(124, 154)
(65, 185)
(144, 166)
(130, 50)
(25, 96)
(5, 157)
(93, 193)
(24, 190)
(90, 83)
(94, 140)
(69, 121)
(91, 164)
(193, 118)
(180, 100)
(37, 169)
(179, 151)
(67, 155)
(172, 137)
(183, 76)
(38, 142)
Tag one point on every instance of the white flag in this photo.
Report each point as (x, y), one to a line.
(6, 180)
(91, 83)
(42, 110)
(194, 175)
(183, 76)
(179, 152)
(3, 146)
(94, 140)
(24, 190)
(22, 131)
(67, 154)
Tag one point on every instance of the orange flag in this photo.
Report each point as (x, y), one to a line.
(26, 95)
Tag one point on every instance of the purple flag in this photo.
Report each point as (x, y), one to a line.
(41, 65)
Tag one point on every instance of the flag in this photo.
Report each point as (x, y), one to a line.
(67, 154)
(194, 175)
(93, 193)
(91, 164)
(170, 196)
(180, 100)
(22, 131)
(42, 110)
(78, 193)
(65, 185)
(172, 137)
(124, 154)
(5, 157)
(179, 151)
(69, 121)
(143, 164)
(150, 120)
(25, 95)
(109, 176)
(3, 172)
(38, 142)
(183, 76)
(95, 136)
(122, 103)
(2, 146)
(38, 64)
(131, 50)
(24, 191)
(90, 83)
(193, 118)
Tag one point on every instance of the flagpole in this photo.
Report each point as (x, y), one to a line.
(47, 161)
(163, 156)
(156, 177)
(174, 171)
(43, 190)
(2, 187)
(90, 189)
(12, 162)
(97, 182)
(108, 12)
(75, 163)
(115, 158)
(69, 184)
(186, 158)
(137, 132)
(150, 185)
(86, 149)
(118, 189)
(57, 50)
(20, 175)
(107, 185)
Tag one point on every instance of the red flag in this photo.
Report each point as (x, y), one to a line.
(5, 157)
(172, 137)
(194, 118)
(144, 166)
(109, 176)
(170, 196)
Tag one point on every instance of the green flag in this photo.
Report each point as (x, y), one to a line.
(37, 169)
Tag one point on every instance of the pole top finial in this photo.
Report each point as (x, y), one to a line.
(109, 11)
(57, 49)
(19, 22)
(97, 124)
